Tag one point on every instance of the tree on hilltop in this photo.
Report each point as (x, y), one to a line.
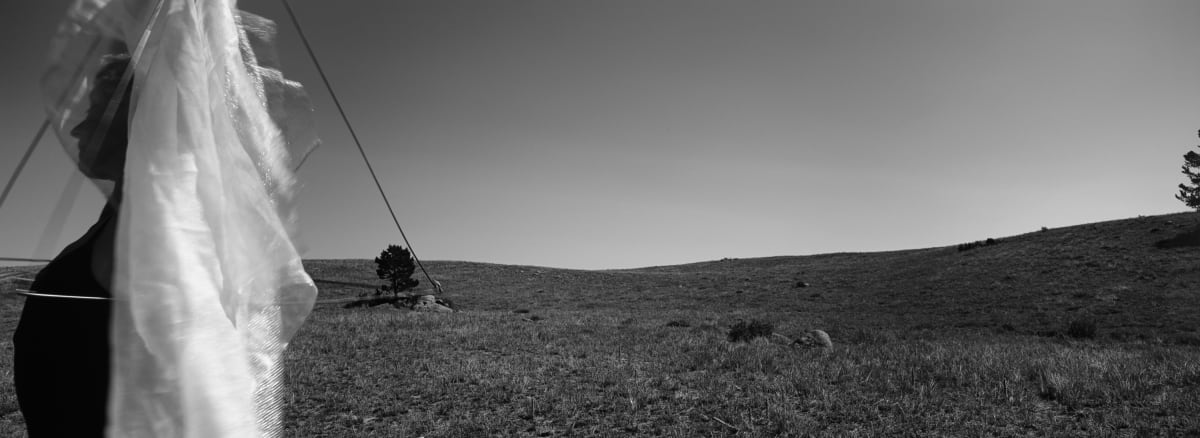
(1190, 194)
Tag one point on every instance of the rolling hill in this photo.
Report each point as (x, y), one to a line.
(1033, 283)
(927, 342)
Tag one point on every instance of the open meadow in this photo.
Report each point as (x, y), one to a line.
(1080, 331)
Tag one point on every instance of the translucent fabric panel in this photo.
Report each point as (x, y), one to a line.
(208, 284)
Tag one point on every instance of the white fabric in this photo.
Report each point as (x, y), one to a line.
(208, 283)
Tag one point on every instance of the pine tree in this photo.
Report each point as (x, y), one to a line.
(1190, 195)
(395, 264)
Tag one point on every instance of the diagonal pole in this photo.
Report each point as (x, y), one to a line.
(353, 135)
(37, 138)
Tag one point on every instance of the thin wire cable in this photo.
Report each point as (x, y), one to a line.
(21, 259)
(37, 138)
(44, 294)
(353, 135)
(72, 185)
(30, 293)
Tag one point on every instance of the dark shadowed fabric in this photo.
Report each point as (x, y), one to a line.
(61, 346)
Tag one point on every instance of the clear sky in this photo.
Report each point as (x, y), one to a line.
(624, 133)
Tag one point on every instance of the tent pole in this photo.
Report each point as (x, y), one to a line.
(24, 160)
(353, 135)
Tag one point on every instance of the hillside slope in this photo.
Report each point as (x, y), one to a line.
(927, 342)
(1031, 283)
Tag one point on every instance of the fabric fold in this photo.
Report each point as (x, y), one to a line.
(208, 282)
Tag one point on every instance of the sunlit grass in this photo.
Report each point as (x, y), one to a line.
(607, 374)
(929, 342)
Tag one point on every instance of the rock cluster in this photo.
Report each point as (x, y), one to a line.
(419, 303)
(427, 303)
(814, 339)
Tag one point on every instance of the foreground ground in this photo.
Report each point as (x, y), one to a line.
(933, 342)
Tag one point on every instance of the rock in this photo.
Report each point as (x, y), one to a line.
(430, 303)
(420, 303)
(814, 339)
(801, 284)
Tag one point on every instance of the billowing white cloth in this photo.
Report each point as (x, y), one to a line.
(208, 283)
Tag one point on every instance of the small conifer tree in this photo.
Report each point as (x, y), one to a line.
(1190, 194)
(395, 265)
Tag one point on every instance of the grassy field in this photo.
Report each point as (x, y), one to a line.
(929, 342)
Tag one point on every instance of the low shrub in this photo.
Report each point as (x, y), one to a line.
(1082, 328)
(745, 331)
(976, 244)
(1183, 240)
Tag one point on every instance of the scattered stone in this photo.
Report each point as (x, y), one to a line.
(430, 303)
(421, 303)
(814, 339)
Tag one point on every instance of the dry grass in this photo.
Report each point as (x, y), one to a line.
(606, 374)
(932, 342)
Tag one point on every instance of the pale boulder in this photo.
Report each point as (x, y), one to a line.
(430, 303)
(814, 339)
